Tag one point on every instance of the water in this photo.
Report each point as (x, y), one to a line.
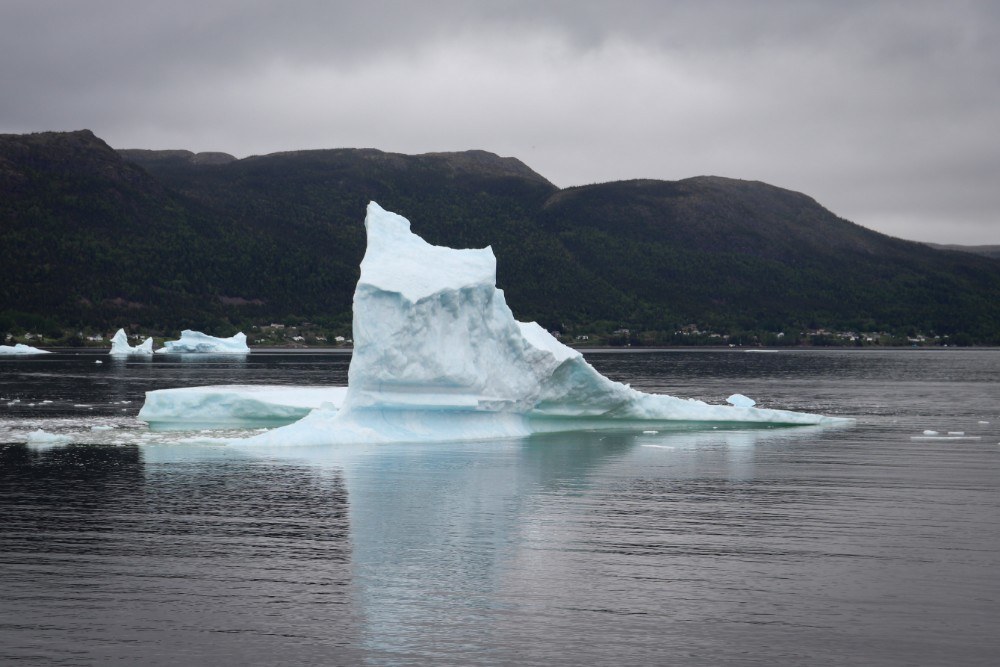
(788, 546)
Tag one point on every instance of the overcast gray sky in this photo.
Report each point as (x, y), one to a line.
(887, 113)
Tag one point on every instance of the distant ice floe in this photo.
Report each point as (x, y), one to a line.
(43, 439)
(21, 348)
(121, 348)
(949, 435)
(195, 342)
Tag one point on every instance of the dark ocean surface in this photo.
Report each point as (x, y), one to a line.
(867, 545)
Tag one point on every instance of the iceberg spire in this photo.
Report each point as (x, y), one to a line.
(121, 348)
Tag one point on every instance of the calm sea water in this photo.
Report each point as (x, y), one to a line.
(857, 546)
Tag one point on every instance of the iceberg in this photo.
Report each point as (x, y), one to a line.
(439, 356)
(21, 348)
(121, 348)
(741, 401)
(195, 342)
(44, 439)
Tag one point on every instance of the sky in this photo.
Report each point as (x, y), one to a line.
(885, 112)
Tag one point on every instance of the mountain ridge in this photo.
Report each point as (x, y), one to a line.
(992, 251)
(216, 243)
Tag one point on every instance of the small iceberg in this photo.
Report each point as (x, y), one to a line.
(121, 348)
(43, 439)
(195, 342)
(21, 348)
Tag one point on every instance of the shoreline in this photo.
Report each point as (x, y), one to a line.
(583, 350)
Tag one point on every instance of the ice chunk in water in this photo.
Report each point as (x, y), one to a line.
(121, 348)
(43, 439)
(21, 348)
(195, 342)
(741, 401)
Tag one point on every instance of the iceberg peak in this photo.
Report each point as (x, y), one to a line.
(397, 260)
(121, 348)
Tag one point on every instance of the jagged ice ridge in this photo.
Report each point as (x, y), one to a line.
(121, 348)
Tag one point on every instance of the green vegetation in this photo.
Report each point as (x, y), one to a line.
(159, 241)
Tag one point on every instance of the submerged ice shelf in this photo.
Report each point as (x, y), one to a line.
(438, 355)
(236, 405)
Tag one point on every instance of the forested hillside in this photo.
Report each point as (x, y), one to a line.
(163, 240)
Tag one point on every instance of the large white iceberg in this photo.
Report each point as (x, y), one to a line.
(195, 342)
(438, 355)
(21, 348)
(121, 348)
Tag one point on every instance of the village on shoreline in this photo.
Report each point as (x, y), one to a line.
(306, 335)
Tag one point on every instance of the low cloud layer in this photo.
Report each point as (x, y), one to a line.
(885, 112)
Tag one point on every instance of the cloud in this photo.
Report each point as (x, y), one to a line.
(883, 111)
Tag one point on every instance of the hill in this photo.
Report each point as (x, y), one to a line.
(984, 250)
(751, 255)
(163, 240)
